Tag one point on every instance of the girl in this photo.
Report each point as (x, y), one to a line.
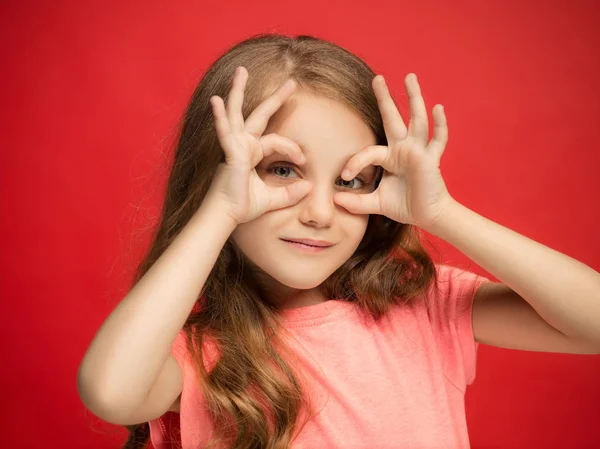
(287, 300)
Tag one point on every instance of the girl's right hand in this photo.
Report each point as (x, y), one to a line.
(236, 184)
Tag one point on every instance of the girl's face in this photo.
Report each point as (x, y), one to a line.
(329, 134)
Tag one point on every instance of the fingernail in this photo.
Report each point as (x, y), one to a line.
(346, 174)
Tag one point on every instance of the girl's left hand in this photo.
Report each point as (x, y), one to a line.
(411, 190)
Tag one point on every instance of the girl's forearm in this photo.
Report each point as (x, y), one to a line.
(128, 352)
(563, 291)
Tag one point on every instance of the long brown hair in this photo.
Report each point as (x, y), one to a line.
(252, 393)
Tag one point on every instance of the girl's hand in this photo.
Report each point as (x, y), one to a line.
(236, 184)
(412, 189)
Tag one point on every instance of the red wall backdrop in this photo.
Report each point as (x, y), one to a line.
(91, 92)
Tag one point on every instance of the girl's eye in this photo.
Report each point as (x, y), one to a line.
(285, 167)
(276, 167)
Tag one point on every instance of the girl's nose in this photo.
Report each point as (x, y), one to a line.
(318, 206)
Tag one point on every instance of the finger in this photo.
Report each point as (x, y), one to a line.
(236, 99)
(275, 143)
(417, 127)
(371, 155)
(257, 121)
(286, 196)
(221, 122)
(440, 131)
(359, 203)
(394, 126)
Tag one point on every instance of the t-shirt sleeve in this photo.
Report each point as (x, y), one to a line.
(194, 425)
(165, 429)
(450, 307)
(180, 351)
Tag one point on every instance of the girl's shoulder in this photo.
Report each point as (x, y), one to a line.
(454, 290)
(454, 280)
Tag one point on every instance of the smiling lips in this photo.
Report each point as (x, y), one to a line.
(306, 248)
(310, 242)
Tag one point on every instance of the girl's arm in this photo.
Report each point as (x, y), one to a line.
(563, 291)
(129, 351)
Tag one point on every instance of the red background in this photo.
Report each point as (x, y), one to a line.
(91, 93)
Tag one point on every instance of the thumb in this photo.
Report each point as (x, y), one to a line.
(356, 203)
(286, 196)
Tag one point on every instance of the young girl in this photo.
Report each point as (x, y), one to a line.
(287, 300)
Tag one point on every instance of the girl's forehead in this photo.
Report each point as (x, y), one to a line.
(314, 121)
(328, 132)
(309, 104)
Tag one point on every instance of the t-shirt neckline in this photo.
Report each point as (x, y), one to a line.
(314, 314)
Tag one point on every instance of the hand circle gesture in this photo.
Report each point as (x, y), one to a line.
(236, 183)
(412, 189)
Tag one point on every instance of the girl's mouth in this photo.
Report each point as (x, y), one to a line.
(306, 248)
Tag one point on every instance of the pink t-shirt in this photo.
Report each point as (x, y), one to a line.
(397, 383)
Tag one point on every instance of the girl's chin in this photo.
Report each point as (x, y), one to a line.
(293, 281)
